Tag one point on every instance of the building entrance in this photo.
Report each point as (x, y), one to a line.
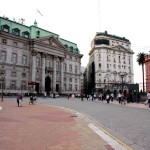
(48, 84)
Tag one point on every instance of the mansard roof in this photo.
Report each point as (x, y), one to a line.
(36, 32)
(112, 36)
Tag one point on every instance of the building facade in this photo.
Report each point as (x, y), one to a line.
(147, 71)
(36, 60)
(110, 63)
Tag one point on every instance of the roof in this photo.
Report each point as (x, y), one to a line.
(35, 32)
(112, 36)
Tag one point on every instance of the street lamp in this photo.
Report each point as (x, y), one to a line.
(122, 75)
(2, 75)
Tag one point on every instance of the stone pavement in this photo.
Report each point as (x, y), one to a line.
(137, 105)
(41, 127)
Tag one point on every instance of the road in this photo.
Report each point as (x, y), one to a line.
(128, 124)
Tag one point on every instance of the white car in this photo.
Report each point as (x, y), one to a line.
(56, 95)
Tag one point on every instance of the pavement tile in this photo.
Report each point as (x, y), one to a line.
(40, 127)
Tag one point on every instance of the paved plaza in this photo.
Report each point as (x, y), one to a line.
(45, 126)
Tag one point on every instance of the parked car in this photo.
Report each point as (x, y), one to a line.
(56, 95)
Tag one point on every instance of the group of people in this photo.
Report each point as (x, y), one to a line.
(121, 97)
(19, 99)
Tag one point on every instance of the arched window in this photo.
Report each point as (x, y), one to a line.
(5, 28)
(16, 31)
(14, 58)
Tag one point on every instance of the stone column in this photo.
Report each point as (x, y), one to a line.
(43, 72)
(62, 75)
(34, 53)
(54, 74)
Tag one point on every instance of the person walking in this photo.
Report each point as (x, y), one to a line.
(119, 97)
(148, 97)
(112, 97)
(45, 95)
(19, 98)
(107, 98)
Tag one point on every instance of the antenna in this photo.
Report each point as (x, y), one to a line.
(99, 22)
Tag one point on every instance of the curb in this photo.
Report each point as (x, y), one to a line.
(94, 125)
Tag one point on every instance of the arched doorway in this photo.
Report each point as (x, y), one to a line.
(48, 84)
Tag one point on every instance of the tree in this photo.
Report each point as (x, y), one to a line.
(141, 61)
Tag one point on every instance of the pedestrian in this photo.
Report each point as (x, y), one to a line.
(82, 97)
(107, 98)
(119, 97)
(148, 97)
(19, 100)
(45, 95)
(112, 97)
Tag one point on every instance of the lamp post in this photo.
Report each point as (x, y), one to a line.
(122, 82)
(2, 79)
(122, 75)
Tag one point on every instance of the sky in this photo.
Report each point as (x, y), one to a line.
(79, 20)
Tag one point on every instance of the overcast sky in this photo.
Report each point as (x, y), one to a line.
(79, 20)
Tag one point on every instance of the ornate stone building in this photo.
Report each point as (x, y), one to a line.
(34, 59)
(110, 63)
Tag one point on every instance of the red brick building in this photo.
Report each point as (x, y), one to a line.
(147, 70)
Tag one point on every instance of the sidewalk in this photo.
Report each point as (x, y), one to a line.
(137, 105)
(41, 127)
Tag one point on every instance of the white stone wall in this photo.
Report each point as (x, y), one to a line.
(122, 49)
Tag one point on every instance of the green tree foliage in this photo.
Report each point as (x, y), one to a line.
(141, 60)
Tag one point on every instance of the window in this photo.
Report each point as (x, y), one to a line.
(70, 57)
(114, 60)
(99, 65)
(13, 84)
(114, 65)
(38, 34)
(26, 34)
(76, 70)
(129, 60)
(4, 41)
(70, 87)
(23, 75)
(70, 79)
(5, 28)
(13, 74)
(107, 66)
(16, 31)
(38, 62)
(57, 65)
(48, 63)
(102, 41)
(107, 58)
(64, 87)
(75, 80)
(15, 43)
(24, 60)
(23, 85)
(99, 57)
(3, 56)
(65, 67)
(14, 58)
(119, 60)
(64, 78)
(76, 88)
(70, 68)
(129, 69)
(25, 46)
